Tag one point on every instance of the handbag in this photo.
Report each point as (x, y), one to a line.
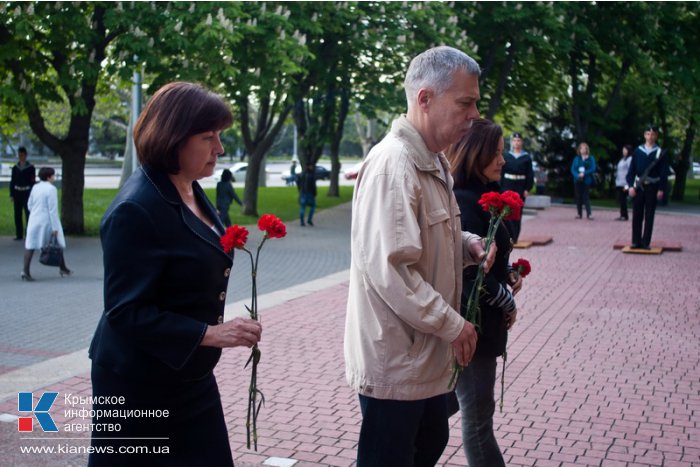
(51, 253)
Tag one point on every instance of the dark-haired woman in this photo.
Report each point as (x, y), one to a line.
(476, 163)
(166, 277)
(43, 221)
(225, 195)
(623, 166)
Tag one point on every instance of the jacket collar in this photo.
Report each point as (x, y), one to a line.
(161, 182)
(422, 157)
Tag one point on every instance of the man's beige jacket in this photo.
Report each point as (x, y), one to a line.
(408, 252)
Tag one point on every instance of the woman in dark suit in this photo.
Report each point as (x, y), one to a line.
(165, 283)
(476, 163)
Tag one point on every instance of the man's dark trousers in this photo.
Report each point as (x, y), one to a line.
(20, 200)
(402, 433)
(643, 209)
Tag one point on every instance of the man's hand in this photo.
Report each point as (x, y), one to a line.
(476, 250)
(631, 192)
(660, 195)
(465, 344)
(515, 281)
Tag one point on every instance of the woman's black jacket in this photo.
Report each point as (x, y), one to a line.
(496, 299)
(165, 280)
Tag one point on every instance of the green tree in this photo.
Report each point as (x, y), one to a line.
(53, 53)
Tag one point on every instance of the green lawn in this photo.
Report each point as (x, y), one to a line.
(280, 201)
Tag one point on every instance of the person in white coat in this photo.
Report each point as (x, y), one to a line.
(43, 220)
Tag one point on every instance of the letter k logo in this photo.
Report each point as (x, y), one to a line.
(25, 403)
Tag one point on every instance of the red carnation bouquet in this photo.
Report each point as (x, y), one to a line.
(501, 206)
(236, 237)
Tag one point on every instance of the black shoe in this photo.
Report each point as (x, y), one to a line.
(26, 277)
(645, 247)
(65, 272)
(635, 246)
(590, 218)
(310, 223)
(302, 224)
(578, 217)
(19, 238)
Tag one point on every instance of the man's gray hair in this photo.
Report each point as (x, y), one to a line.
(434, 69)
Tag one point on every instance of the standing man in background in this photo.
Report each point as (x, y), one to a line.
(403, 329)
(21, 183)
(647, 179)
(517, 175)
(307, 194)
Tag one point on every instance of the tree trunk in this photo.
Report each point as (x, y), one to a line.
(265, 132)
(73, 184)
(337, 137)
(495, 101)
(683, 164)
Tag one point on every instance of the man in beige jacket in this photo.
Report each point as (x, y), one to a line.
(403, 330)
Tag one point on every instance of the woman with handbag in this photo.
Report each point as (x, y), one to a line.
(43, 221)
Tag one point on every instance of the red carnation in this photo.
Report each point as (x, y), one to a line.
(491, 201)
(514, 203)
(522, 266)
(234, 237)
(272, 226)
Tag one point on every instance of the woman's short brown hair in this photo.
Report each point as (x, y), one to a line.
(474, 152)
(175, 112)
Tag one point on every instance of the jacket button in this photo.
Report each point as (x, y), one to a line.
(227, 272)
(222, 296)
(221, 319)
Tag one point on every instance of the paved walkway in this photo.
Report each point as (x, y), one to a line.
(603, 362)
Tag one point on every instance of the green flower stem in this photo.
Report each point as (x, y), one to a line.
(253, 391)
(503, 378)
(472, 312)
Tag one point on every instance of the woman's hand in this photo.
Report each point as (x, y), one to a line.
(476, 250)
(515, 281)
(235, 333)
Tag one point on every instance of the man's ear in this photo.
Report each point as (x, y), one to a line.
(424, 97)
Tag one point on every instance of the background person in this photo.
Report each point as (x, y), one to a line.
(517, 175)
(166, 276)
(307, 194)
(44, 221)
(476, 163)
(582, 169)
(623, 166)
(646, 179)
(21, 181)
(402, 329)
(225, 195)
(541, 179)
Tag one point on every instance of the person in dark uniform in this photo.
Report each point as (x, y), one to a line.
(165, 281)
(517, 175)
(647, 178)
(21, 183)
